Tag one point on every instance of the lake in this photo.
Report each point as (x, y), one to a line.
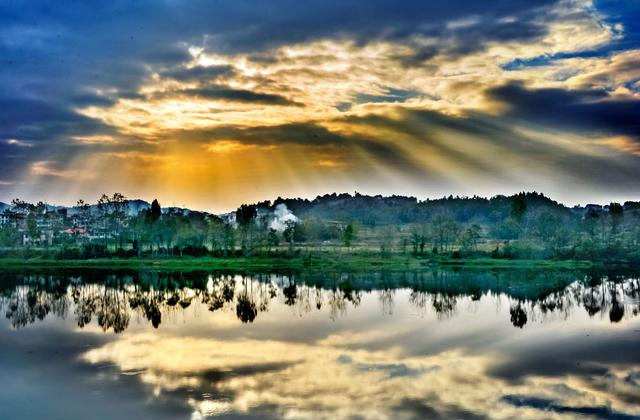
(520, 344)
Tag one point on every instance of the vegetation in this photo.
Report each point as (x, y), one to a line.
(330, 231)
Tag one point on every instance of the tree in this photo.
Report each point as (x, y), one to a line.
(547, 224)
(113, 212)
(9, 235)
(444, 231)
(272, 239)
(470, 237)
(518, 207)
(418, 240)
(616, 211)
(32, 227)
(141, 232)
(22, 207)
(246, 309)
(518, 315)
(245, 214)
(155, 211)
(386, 242)
(289, 232)
(299, 232)
(348, 235)
(590, 221)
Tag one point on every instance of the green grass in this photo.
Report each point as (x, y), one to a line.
(186, 263)
(516, 263)
(320, 261)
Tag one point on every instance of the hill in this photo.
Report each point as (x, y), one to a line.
(379, 210)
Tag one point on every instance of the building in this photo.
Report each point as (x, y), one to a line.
(10, 218)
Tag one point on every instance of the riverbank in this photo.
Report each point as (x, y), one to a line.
(372, 262)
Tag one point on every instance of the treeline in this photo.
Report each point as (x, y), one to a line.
(525, 225)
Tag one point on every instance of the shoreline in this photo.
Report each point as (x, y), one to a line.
(319, 262)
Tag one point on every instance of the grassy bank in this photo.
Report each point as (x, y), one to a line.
(328, 261)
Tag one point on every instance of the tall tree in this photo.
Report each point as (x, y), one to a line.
(155, 211)
(616, 212)
(348, 235)
(518, 207)
(245, 214)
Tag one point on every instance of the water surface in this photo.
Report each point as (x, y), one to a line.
(428, 345)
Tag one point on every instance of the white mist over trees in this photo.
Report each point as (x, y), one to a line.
(281, 217)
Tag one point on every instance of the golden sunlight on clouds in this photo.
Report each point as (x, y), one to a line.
(335, 378)
(339, 110)
(307, 381)
(45, 168)
(324, 74)
(230, 146)
(333, 366)
(624, 144)
(328, 163)
(98, 139)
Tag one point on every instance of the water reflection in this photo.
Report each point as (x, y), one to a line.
(429, 345)
(111, 299)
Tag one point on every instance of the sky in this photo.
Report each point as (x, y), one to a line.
(210, 104)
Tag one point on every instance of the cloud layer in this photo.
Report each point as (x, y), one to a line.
(194, 101)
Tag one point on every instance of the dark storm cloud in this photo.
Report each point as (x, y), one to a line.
(33, 119)
(393, 370)
(432, 408)
(49, 364)
(586, 111)
(111, 44)
(237, 95)
(90, 99)
(577, 355)
(90, 43)
(475, 35)
(424, 126)
(33, 130)
(45, 127)
(215, 376)
(249, 26)
(12, 160)
(297, 134)
(197, 73)
(548, 405)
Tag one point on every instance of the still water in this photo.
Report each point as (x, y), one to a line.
(427, 345)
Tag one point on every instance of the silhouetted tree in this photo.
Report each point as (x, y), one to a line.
(246, 309)
(155, 210)
(518, 315)
(245, 214)
(616, 211)
(518, 207)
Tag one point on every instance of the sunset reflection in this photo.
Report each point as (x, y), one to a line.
(315, 353)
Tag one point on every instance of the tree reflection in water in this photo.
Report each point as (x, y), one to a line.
(518, 315)
(110, 299)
